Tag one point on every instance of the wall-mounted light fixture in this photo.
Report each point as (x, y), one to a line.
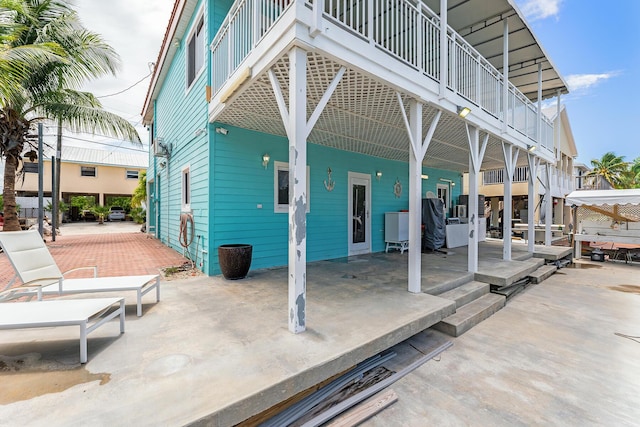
(265, 160)
(222, 131)
(378, 175)
(463, 111)
(423, 176)
(531, 148)
(201, 131)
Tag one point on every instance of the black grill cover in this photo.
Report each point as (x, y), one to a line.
(434, 224)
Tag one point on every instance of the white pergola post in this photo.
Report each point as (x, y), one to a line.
(548, 211)
(534, 162)
(298, 129)
(418, 150)
(510, 154)
(476, 154)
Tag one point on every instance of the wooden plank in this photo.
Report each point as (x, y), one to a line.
(365, 410)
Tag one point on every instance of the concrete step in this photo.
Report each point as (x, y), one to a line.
(466, 293)
(469, 315)
(443, 282)
(542, 273)
(503, 273)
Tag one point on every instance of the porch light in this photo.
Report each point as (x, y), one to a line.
(531, 148)
(424, 176)
(378, 175)
(463, 111)
(265, 160)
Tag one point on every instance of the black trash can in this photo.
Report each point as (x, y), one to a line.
(235, 260)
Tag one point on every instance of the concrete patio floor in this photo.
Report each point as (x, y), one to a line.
(219, 351)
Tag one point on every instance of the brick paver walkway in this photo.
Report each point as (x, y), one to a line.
(114, 254)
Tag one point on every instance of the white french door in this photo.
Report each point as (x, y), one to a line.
(359, 215)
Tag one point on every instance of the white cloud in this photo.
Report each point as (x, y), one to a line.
(579, 82)
(540, 9)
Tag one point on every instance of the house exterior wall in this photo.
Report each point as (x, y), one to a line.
(243, 197)
(180, 121)
(109, 180)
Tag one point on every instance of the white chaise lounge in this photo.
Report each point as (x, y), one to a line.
(89, 314)
(40, 275)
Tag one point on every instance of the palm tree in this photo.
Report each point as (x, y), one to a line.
(47, 88)
(611, 168)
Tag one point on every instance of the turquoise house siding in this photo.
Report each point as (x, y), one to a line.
(179, 112)
(243, 197)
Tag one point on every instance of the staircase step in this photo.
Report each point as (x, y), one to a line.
(466, 293)
(470, 315)
(542, 273)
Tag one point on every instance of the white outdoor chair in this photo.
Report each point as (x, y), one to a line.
(89, 314)
(40, 275)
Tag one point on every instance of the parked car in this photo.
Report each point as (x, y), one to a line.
(116, 213)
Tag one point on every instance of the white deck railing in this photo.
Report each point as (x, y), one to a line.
(408, 31)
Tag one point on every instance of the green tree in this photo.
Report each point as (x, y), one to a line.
(610, 167)
(45, 85)
(140, 192)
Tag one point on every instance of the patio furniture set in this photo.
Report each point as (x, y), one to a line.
(40, 277)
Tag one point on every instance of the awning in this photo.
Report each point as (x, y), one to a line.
(604, 197)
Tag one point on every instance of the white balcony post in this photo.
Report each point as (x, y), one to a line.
(257, 21)
(534, 162)
(316, 23)
(510, 154)
(476, 153)
(418, 150)
(444, 49)
(297, 189)
(505, 73)
(539, 137)
(548, 215)
(415, 198)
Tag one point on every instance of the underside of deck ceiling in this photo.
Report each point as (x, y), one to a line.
(362, 116)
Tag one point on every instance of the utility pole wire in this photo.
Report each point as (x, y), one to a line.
(124, 90)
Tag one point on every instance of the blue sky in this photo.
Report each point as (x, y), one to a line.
(594, 45)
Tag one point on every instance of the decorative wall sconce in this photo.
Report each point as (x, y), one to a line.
(265, 160)
(222, 131)
(378, 175)
(463, 111)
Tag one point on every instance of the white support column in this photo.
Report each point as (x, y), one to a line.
(476, 153)
(534, 162)
(505, 73)
(415, 199)
(418, 150)
(297, 189)
(548, 212)
(298, 129)
(444, 48)
(510, 154)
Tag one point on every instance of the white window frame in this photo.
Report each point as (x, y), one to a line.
(193, 36)
(95, 172)
(284, 207)
(447, 201)
(132, 171)
(185, 189)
